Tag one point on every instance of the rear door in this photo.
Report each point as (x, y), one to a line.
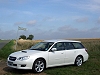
(70, 53)
(73, 49)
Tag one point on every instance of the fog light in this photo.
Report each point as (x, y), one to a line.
(23, 65)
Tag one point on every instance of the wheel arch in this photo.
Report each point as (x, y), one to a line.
(80, 56)
(77, 60)
(42, 59)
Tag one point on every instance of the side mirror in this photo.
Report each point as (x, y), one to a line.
(54, 49)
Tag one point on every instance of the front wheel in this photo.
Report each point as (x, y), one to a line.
(78, 61)
(38, 65)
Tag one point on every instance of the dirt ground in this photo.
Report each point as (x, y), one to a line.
(4, 70)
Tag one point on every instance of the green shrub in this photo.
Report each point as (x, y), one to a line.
(6, 50)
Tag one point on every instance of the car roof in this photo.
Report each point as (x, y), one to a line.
(60, 40)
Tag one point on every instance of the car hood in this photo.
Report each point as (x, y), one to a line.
(25, 53)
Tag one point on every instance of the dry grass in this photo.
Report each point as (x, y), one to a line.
(91, 44)
(25, 44)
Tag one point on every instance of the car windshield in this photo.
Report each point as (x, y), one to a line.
(42, 46)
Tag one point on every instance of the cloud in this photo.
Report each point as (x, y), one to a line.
(6, 35)
(94, 29)
(92, 7)
(96, 1)
(4, 1)
(17, 1)
(14, 12)
(63, 32)
(19, 23)
(80, 20)
(88, 5)
(22, 1)
(32, 22)
(27, 12)
(52, 19)
(71, 32)
(66, 28)
(12, 34)
(29, 23)
(49, 19)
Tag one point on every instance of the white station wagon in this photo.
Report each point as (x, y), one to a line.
(49, 53)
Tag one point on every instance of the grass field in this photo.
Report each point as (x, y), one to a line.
(91, 67)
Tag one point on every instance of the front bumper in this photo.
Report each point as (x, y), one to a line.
(25, 64)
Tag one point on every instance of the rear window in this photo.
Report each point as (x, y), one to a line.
(77, 45)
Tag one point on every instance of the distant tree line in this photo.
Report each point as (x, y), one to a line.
(30, 37)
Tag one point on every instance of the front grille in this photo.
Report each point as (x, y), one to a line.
(12, 58)
(11, 63)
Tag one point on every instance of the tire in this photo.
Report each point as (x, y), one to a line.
(38, 66)
(79, 61)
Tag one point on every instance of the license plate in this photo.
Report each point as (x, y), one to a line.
(10, 63)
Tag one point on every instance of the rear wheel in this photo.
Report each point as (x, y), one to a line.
(78, 61)
(38, 65)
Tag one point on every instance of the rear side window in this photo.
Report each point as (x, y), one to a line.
(69, 46)
(59, 46)
(77, 45)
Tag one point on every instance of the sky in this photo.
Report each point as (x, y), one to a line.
(50, 19)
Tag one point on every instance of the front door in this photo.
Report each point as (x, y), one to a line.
(57, 57)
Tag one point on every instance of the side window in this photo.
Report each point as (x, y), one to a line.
(69, 46)
(49, 45)
(78, 45)
(59, 46)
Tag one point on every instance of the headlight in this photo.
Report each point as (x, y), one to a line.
(23, 58)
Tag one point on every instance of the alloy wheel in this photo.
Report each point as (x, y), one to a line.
(78, 61)
(39, 65)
